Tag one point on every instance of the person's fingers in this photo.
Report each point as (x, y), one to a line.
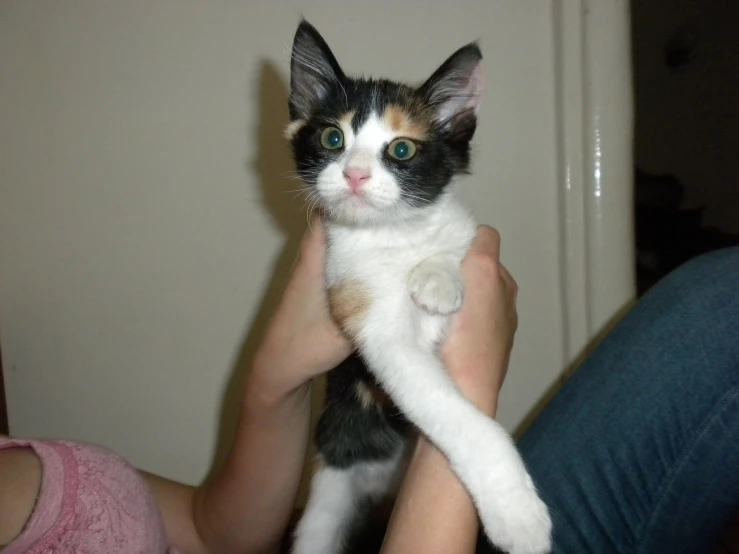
(315, 233)
(486, 243)
(508, 279)
(312, 244)
(316, 224)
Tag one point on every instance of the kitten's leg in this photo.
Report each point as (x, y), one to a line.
(480, 451)
(335, 498)
(375, 480)
(436, 284)
(328, 514)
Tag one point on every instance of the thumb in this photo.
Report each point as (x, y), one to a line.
(486, 243)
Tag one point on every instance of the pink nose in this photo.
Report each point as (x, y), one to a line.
(356, 177)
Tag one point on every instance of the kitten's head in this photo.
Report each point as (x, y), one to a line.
(373, 151)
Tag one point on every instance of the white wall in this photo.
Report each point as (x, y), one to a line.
(143, 207)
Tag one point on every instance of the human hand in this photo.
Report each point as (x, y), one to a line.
(302, 340)
(481, 336)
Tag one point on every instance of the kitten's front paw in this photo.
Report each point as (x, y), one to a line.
(521, 523)
(437, 287)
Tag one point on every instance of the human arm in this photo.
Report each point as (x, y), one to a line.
(20, 481)
(246, 506)
(433, 512)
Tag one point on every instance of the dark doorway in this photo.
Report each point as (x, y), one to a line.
(685, 58)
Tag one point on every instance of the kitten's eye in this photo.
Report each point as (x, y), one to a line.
(332, 138)
(402, 149)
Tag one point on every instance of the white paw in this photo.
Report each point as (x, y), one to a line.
(437, 287)
(520, 522)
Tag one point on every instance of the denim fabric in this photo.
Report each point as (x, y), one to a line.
(639, 451)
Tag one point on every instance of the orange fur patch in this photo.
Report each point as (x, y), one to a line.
(371, 395)
(405, 125)
(349, 301)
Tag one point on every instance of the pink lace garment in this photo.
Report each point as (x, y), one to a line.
(91, 502)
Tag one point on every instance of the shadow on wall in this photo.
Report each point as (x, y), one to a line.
(275, 168)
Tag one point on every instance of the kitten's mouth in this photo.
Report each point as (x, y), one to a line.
(351, 204)
(355, 198)
(356, 195)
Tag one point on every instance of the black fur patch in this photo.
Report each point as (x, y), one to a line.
(348, 431)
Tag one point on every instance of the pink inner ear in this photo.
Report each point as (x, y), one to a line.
(476, 86)
(466, 97)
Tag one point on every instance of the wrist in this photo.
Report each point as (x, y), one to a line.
(479, 377)
(485, 399)
(268, 387)
(272, 371)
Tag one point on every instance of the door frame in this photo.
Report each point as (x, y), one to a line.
(593, 84)
(3, 405)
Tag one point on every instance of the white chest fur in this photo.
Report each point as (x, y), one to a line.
(374, 280)
(381, 257)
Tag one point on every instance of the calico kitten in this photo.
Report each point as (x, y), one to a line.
(379, 157)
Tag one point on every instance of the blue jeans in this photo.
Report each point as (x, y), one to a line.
(639, 451)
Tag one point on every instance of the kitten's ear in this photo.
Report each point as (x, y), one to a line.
(314, 71)
(455, 89)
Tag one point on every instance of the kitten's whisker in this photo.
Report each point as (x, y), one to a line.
(309, 200)
(404, 194)
(315, 199)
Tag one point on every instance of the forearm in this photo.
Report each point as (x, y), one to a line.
(433, 512)
(245, 508)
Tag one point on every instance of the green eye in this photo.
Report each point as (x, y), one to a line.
(402, 149)
(332, 138)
